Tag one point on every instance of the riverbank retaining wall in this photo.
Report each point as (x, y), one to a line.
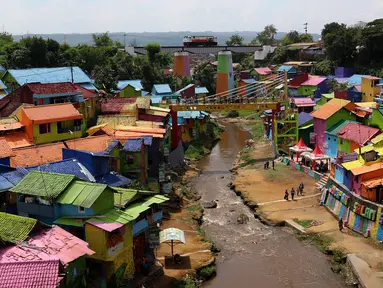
(304, 169)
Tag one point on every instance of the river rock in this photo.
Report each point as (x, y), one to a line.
(252, 205)
(242, 219)
(249, 142)
(209, 205)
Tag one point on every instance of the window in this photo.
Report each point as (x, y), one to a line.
(81, 209)
(328, 138)
(356, 179)
(77, 125)
(130, 159)
(341, 141)
(45, 128)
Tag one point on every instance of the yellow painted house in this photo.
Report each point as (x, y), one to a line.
(370, 88)
(52, 123)
(130, 88)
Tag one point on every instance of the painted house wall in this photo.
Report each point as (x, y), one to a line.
(54, 136)
(307, 90)
(357, 181)
(319, 130)
(339, 173)
(101, 242)
(137, 169)
(130, 91)
(376, 119)
(75, 271)
(332, 146)
(369, 90)
(344, 145)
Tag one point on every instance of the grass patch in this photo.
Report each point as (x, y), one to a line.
(321, 241)
(207, 273)
(380, 266)
(201, 232)
(304, 223)
(194, 208)
(232, 114)
(196, 150)
(189, 281)
(257, 130)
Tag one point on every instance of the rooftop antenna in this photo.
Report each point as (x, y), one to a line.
(71, 73)
(305, 25)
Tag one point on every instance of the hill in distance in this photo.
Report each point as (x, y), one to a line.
(141, 39)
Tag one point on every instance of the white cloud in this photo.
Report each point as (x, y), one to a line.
(84, 16)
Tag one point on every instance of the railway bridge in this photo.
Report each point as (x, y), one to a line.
(203, 50)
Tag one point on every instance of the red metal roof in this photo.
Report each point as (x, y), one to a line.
(313, 81)
(263, 71)
(5, 149)
(371, 77)
(358, 133)
(27, 274)
(37, 155)
(52, 113)
(91, 144)
(86, 93)
(52, 88)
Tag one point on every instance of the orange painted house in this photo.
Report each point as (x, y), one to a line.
(367, 181)
(52, 123)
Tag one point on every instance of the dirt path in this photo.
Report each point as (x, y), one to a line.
(260, 186)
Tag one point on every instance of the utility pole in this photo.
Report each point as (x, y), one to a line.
(71, 72)
(305, 25)
(124, 40)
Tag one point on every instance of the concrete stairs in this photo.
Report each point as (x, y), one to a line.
(322, 182)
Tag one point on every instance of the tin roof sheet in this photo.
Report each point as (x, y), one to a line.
(358, 133)
(80, 193)
(366, 169)
(353, 164)
(14, 228)
(263, 70)
(43, 184)
(161, 89)
(52, 113)
(24, 274)
(49, 75)
(326, 111)
(136, 84)
(90, 144)
(201, 90)
(5, 149)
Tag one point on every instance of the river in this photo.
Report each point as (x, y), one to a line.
(253, 254)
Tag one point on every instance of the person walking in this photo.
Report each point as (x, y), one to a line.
(267, 164)
(292, 194)
(273, 163)
(286, 195)
(340, 223)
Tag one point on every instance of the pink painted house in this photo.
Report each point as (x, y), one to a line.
(328, 115)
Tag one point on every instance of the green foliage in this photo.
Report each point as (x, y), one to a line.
(232, 114)
(195, 150)
(321, 241)
(106, 77)
(305, 38)
(334, 85)
(102, 40)
(266, 37)
(190, 281)
(304, 223)
(208, 272)
(235, 40)
(204, 76)
(135, 184)
(324, 67)
(279, 56)
(290, 38)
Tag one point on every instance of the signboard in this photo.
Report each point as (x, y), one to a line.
(154, 237)
(313, 138)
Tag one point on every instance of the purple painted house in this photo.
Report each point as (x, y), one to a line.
(343, 72)
(327, 116)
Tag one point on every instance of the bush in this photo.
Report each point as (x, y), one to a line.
(232, 114)
(208, 272)
(187, 282)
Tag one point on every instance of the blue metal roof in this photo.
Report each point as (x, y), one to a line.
(161, 89)
(49, 75)
(133, 145)
(5, 185)
(356, 79)
(144, 93)
(304, 117)
(2, 69)
(147, 140)
(191, 114)
(2, 85)
(12, 178)
(156, 99)
(89, 86)
(113, 179)
(68, 166)
(201, 90)
(183, 89)
(285, 68)
(249, 81)
(136, 84)
(111, 146)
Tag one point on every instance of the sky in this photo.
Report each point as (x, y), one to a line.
(88, 16)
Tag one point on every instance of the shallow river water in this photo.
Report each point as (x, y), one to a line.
(252, 254)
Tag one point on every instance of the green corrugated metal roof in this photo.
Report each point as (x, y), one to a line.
(15, 228)
(125, 196)
(377, 139)
(43, 184)
(136, 209)
(158, 199)
(70, 222)
(329, 95)
(81, 193)
(306, 126)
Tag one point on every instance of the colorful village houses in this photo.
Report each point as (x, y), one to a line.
(120, 237)
(162, 93)
(130, 88)
(315, 86)
(3, 89)
(187, 93)
(302, 104)
(332, 141)
(328, 115)
(201, 94)
(51, 123)
(291, 71)
(16, 78)
(370, 88)
(355, 135)
(260, 73)
(296, 82)
(51, 255)
(246, 87)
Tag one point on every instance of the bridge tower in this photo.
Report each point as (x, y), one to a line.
(181, 66)
(225, 73)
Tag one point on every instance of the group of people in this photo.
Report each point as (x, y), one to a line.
(292, 192)
(266, 165)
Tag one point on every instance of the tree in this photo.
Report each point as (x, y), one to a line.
(106, 77)
(305, 38)
(38, 50)
(152, 49)
(290, 38)
(102, 40)
(324, 67)
(266, 37)
(372, 43)
(279, 56)
(235, 40)
(204, 74)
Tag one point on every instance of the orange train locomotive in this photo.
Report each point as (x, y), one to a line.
(195, 41)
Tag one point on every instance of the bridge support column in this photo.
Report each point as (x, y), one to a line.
(175, 129)
(273, 125)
